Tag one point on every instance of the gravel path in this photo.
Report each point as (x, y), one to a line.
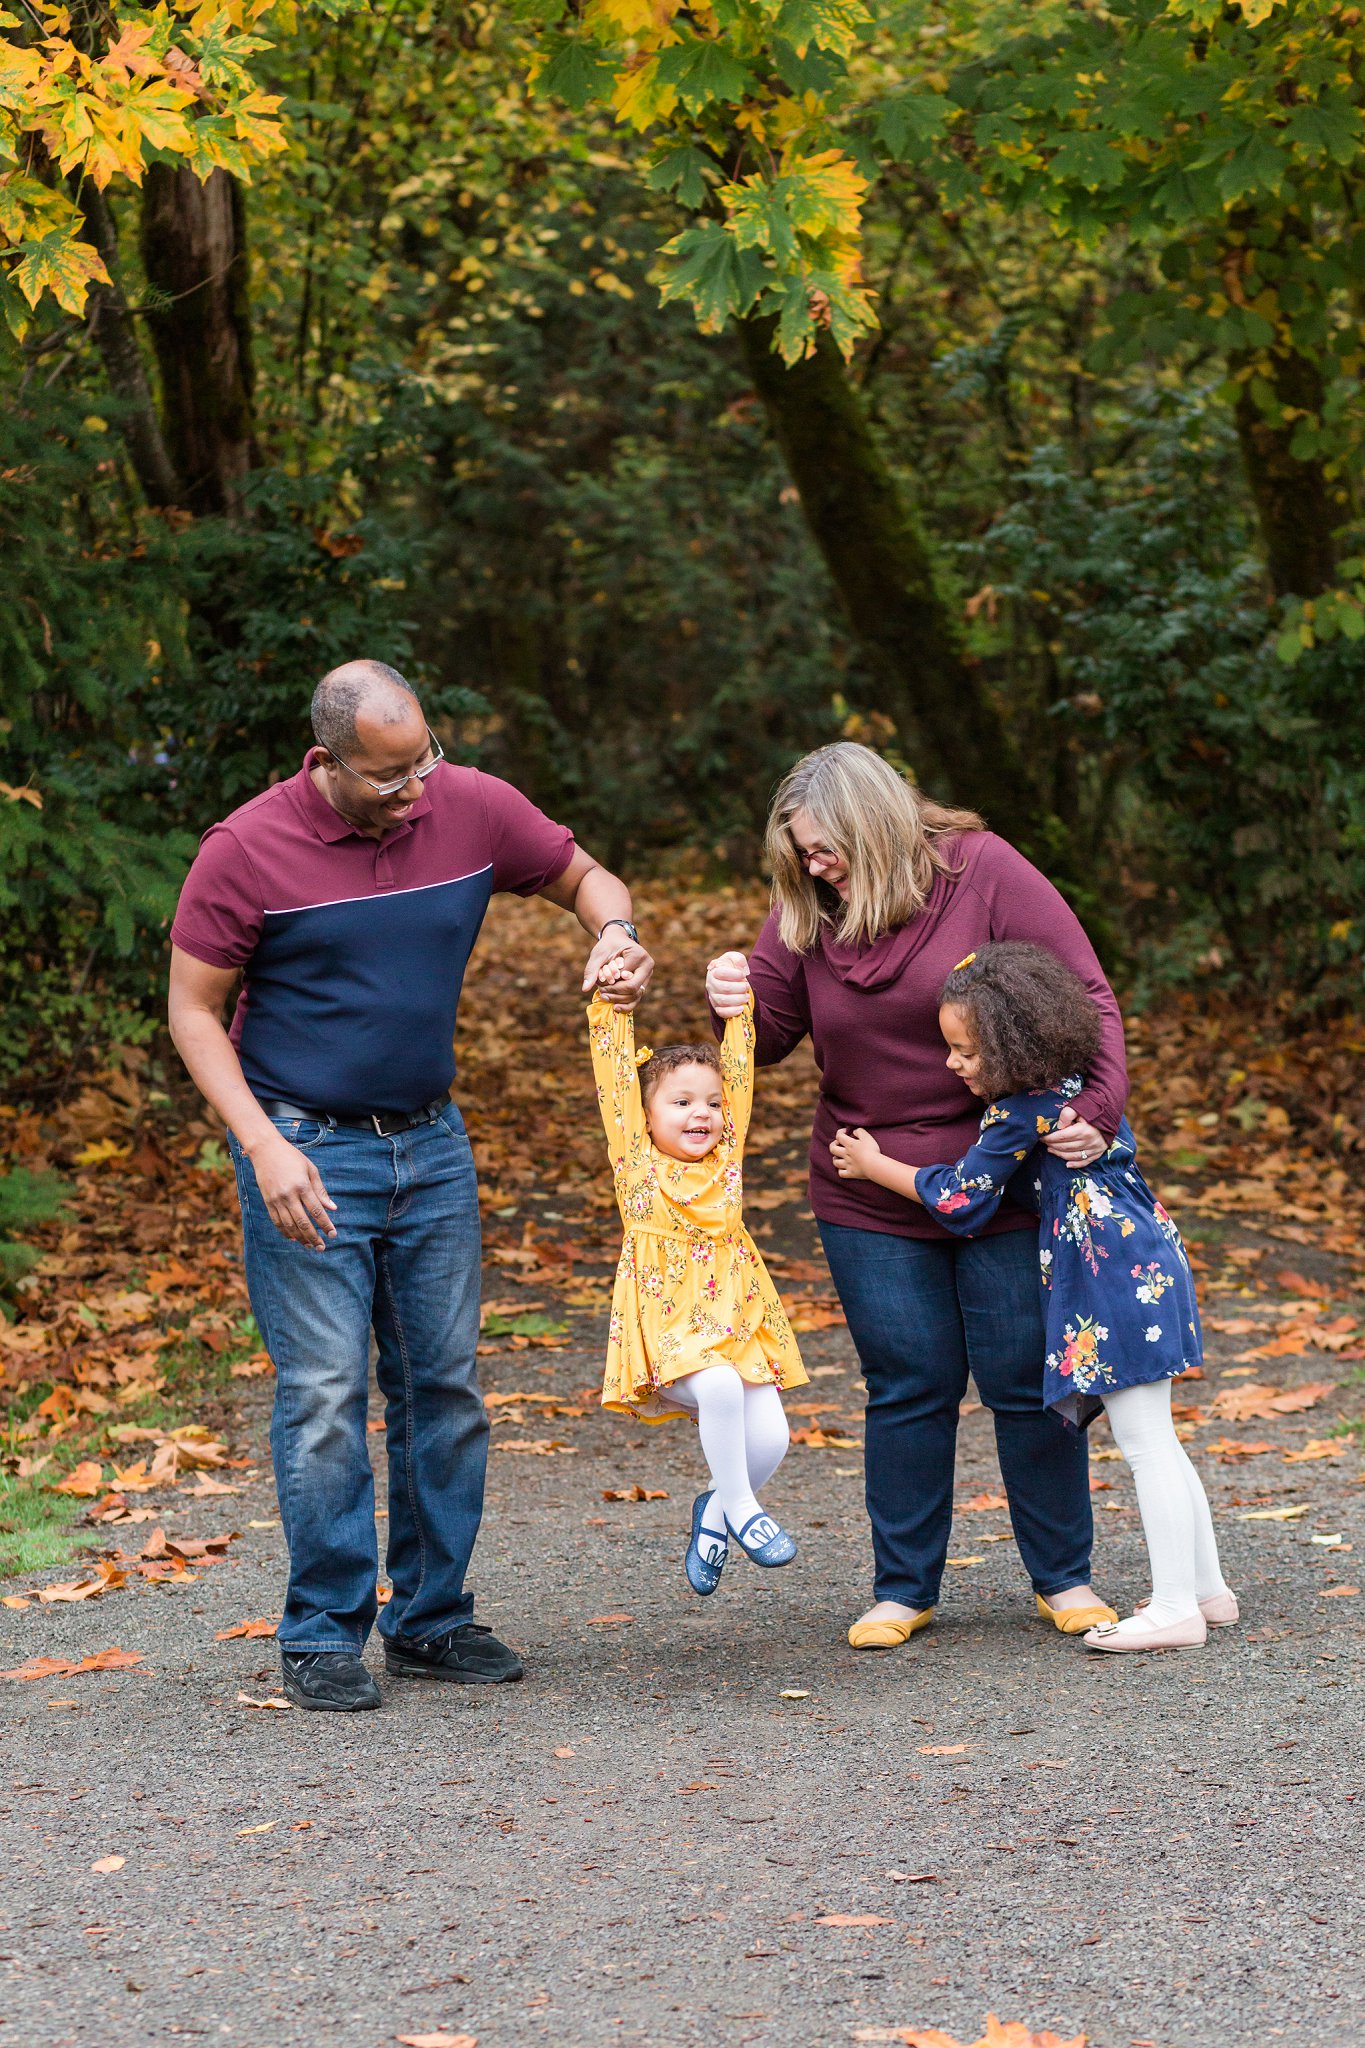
(641, 1844)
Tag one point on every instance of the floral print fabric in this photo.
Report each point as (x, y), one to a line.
(691, 1288)
(1118, 1295)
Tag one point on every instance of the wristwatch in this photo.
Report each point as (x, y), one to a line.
(625, 925)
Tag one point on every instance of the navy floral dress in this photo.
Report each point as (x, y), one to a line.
(1118, 1296)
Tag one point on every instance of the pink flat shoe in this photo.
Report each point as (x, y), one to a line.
(1137, 1633)
(1220, 1610)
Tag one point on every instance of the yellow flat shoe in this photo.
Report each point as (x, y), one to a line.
(1074, 1621)
(887, 1635)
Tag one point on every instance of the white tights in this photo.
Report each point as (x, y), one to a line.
(744, 1437)
(1171, 1500)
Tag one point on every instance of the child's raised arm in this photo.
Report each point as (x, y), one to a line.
(611, 1039)
(737, 1072)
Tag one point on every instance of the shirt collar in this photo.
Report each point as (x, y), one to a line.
(329, 823)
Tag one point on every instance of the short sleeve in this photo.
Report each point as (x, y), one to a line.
(529, 850)
(219, 916)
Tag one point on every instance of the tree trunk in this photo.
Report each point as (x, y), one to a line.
(881, 567)
(194, 253)
(115, 336)
(1294, 504)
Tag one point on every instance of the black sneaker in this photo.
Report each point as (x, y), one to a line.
(470, 1655)
(328, 1681)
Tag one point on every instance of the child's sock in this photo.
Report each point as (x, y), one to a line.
(1140, 1418)
(717, 1394)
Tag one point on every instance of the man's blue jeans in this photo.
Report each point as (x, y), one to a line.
(405, 1261)
(922, 1313)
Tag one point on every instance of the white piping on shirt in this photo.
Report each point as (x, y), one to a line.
(386, 895)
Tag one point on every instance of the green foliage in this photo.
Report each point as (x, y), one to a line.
(26, 1199)
(1136, 599)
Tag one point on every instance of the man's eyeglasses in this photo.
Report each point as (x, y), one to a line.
(434, 748)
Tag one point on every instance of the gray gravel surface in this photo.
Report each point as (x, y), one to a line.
(638, 1844)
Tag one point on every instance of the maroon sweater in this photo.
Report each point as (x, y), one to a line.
(872, 1016)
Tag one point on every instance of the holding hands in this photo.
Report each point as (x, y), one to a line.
(727, 984)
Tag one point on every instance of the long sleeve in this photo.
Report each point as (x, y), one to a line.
(967, 1194)
(611, 1039)
(737, 1074)
(781, 1016)
(1022, 904)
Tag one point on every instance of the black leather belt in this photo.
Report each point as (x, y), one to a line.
(385, 1123)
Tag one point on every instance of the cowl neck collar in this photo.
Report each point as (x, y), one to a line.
(885, 959)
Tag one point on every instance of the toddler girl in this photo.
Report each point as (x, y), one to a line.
(1118, 1297)
(696, 1324)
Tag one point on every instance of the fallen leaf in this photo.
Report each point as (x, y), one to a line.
(261, 1828)
(437, 2040)
(1274, 1514)
(14, 1600)
(566, 1752)
(1229, 1449)
(539, 1447)
(853, 1920)
(62, 1667)
(245, 1699)
(983, 1503)
(817, 1439)
(1316, 1447)
(943, 1748)
(632, 1493)
(964, 1560)
(912, 1877)
(108, 1864)
(793, 1695)
(1338, 1592)
(84, 1483)
(607, 1620)
(252, 1368)
(260, 1627)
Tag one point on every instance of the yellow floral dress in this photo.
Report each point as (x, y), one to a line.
(691, 1289)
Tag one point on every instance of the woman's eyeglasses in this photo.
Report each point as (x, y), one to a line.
(419, 774)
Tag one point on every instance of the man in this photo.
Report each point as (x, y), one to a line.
(349, 898)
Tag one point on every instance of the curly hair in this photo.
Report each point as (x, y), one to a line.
(1035, 1021)
(668, 1059)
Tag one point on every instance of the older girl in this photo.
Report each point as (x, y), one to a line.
(1118, 1295)
(877, 892)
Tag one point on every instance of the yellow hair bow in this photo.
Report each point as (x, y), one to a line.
(966, 961)
(643, 1055)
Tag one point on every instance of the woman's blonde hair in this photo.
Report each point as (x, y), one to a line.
(886, 832)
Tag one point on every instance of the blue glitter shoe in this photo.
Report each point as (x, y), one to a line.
(703, 1575)
(764, 1541)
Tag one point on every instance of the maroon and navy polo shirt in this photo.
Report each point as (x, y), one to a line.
(354, 949)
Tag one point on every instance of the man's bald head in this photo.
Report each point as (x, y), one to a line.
(359, 689)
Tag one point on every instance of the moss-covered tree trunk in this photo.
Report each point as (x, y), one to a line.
(1295, 506)
(881, 567)
(194, 253)
(114, 333)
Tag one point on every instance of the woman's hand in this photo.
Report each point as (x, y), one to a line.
(727, 985)
(853, 1153)
(1075, 1142)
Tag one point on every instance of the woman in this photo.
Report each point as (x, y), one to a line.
(878, 893)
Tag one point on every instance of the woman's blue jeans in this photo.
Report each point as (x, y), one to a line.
(922, 1314)
(405, 1262)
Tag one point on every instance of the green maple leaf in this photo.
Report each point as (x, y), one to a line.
(680, 170)
(713, 274)
(907, 124)
(702, 73)
(575, 74)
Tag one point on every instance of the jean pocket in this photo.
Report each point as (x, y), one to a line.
(305, 1133)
